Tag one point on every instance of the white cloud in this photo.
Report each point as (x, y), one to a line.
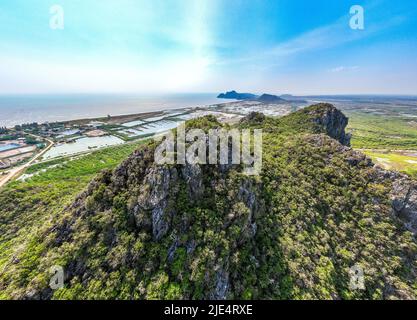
(344, 68)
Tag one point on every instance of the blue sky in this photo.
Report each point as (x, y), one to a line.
(165, 46)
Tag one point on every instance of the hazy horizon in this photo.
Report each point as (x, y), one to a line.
(162, 94)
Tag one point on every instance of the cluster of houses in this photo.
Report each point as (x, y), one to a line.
(68, 133)
(15, 151)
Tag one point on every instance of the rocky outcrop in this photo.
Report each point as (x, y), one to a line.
(193, 176)
(332, 120)
(253, 118)
(157, 200)
(222, 285)
(353, 157)
(211, 232)
(404, 198)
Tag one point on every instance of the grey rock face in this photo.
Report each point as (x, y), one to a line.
(156, 185)
(193, 176)
(161, 218)
(154, 199)
(404, 202)
(171, 250)
(247, 194)
(356, 158)
(222, 285)
(253, 118)
(335, 122)
(403, 195)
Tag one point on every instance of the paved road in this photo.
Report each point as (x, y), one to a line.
(18, 170)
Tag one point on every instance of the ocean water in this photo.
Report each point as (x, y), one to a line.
(49, 108)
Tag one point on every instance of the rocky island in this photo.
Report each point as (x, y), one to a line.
(264, 98)
(236, 96)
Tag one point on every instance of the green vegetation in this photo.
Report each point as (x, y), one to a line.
(31, 140)
(8, 137)
(390, 133)
(372, 131)
(395, 161)
(150, 232)
(29, 208)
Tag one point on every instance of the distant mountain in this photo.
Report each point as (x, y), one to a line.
(269, 98)
(266, 98)
(237, 96)
(291, 98)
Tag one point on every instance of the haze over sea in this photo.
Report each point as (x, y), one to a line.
(20, 109)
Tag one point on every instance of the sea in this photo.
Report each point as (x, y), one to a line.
(19, 109)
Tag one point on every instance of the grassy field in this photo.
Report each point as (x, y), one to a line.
(371, 131)
(385, 138)
(395, 161)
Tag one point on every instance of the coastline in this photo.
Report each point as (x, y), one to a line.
(18, 110)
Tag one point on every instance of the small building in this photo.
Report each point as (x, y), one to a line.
(4, 164)
(21, 140)
(95, 124)
(67, 133)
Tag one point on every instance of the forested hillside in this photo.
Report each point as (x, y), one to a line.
(144, 231)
